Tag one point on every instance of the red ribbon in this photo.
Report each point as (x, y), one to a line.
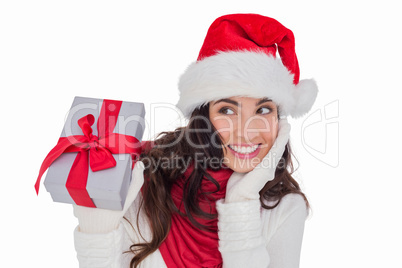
(93, 151)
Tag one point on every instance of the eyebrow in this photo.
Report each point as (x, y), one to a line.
(261, 101)
(227, 100)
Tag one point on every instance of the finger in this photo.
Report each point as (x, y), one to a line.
(137, 180)
(284, 127)
(283, 133)
(277, 149)
(137, 177)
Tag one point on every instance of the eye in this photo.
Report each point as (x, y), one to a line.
(264, 110)
(226, 110)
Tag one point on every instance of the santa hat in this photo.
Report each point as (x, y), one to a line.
(238, 58)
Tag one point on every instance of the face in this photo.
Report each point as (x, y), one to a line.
(248, 128)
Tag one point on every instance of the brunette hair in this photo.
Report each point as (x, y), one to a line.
(157, 201)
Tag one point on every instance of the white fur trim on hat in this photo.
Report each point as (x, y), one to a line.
(244, 73)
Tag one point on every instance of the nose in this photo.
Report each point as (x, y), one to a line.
(250, 127)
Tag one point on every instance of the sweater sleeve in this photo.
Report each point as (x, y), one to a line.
(287, 226)
(272, 239)
(104, 250)
(103, 236)
(108, 249)
(240, 235)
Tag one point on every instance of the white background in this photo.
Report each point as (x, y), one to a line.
(51, 51)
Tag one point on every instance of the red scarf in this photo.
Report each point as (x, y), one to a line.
(186, 245)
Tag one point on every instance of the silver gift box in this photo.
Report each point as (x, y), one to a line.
(107, 188)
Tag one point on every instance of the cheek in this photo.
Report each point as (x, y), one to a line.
(223, 127)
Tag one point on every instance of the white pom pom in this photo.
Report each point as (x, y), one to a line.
(305, 94)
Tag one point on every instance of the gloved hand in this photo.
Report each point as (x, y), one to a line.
(97, 220)
(246, 186)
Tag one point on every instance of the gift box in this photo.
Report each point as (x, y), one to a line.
(92, 162)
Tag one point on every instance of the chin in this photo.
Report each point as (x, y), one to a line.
(242, 170)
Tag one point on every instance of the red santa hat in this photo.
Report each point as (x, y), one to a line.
(238, 58)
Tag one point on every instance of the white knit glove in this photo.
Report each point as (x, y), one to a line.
(97, 220)
(246, 186)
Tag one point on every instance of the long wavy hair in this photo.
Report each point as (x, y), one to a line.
(157, 201)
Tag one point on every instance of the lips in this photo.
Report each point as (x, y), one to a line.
(244, 151)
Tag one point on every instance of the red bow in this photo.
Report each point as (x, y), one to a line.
(93, 149)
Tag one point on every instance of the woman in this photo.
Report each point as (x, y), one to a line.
(218, 192)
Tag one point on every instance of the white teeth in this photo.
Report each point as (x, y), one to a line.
(244, 149)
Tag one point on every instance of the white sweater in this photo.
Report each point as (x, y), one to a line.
(249, 236)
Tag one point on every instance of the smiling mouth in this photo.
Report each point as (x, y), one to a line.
(244, 149)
